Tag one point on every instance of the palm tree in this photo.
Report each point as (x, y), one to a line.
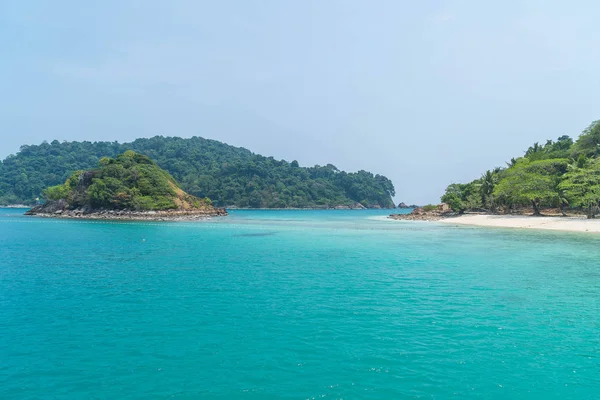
(536, 148)
(562, 202)
(488, 183)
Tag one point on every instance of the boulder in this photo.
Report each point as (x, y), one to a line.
(50, 207)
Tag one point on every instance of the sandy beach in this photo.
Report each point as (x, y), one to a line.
(570, 224)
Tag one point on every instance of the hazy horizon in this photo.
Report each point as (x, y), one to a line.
(425, 94)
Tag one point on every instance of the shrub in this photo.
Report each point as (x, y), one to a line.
(56, 192)
(430, 207)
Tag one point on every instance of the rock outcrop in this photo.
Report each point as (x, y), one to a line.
(404, 205)
(418, 214)
(60, 209)
(356, 206)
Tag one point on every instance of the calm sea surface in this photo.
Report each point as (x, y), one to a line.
(295, 305)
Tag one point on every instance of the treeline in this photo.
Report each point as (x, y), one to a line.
(228, 175)
(561, 174)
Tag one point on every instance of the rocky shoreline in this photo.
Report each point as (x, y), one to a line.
(58, 210)
(134, 215)
(413, 217)
(418, 214)
(356, 206)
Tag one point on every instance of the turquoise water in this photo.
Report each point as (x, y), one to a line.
(295, 305)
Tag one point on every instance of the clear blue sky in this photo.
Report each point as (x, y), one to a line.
(424, 92)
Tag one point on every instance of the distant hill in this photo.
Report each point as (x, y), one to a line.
(228, 175)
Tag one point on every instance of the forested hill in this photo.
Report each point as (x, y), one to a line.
(561, 174)
(130, 181)
(228, 175)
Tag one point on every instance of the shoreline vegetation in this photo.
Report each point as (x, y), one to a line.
(557, 184)
(128, 187)
(562, 174)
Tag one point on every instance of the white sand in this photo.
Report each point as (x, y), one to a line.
(572, 224)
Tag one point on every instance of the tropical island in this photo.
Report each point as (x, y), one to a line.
(557, 179)
(128, 187)
(231, 177)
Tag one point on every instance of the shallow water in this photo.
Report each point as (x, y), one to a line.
(295, 305)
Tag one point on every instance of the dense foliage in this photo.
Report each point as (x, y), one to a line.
(562, 173)
(228, 175)
(129, 181)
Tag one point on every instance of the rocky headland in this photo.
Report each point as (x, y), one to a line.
(130, 187)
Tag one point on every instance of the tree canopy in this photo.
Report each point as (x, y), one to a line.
(581, 186)
(534, 182)
(230, 176)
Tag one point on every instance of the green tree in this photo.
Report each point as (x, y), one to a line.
(463, 196)
(99, 195)
(454, 197)
(56, 192)
(561, 148)
(581, 187)
(533, 182)
(588, 143)
(488, 182)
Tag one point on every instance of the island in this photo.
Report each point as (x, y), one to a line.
(232, 177)
(128, 187)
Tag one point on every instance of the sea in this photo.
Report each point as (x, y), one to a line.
(295, 305)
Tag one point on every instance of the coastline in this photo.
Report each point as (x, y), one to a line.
(336, 208)
(257, 209)
(565, 224)
(172, 215)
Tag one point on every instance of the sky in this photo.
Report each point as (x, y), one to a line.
(424, 92)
